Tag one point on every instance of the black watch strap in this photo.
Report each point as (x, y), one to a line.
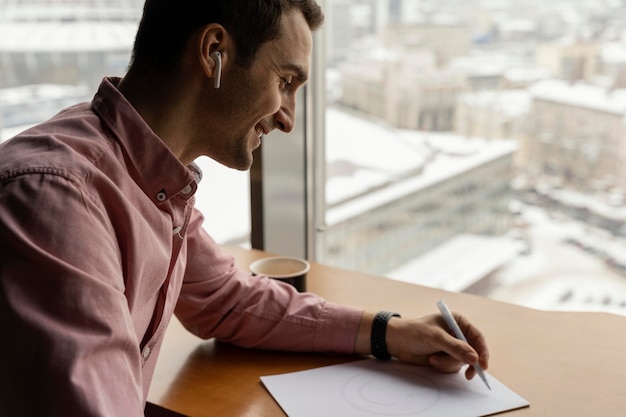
(379, 332)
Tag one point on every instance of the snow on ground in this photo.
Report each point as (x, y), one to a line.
(560, 275)
(551, 263)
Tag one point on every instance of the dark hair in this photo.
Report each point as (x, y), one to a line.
(167, 25)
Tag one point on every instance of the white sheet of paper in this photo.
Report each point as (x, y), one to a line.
(372, 388)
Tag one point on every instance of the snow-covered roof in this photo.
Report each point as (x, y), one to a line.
(578, 199)
(68, 25)
(25, 94)
(508, 102)
(66, 37)
(380, 156)
(526, 74)
(475, 256)
(581, 95)
(614, 52)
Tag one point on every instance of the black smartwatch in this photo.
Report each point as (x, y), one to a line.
(379, 330)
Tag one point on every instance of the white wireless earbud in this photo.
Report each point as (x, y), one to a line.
(217, 57)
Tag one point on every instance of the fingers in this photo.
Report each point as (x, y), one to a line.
(429, 341)
(445, 363)
(462, 352)
(476, 340)
(456, 353)
(470, 372)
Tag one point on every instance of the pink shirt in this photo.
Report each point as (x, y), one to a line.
(99, 246)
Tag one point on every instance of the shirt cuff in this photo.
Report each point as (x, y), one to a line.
(337, 329)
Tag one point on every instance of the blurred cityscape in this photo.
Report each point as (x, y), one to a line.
(472, 145)
(523, 103)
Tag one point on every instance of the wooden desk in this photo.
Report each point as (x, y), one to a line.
(565, 364)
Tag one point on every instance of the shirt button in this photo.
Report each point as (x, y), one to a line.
(161, 196)
(146, 352)
(187, 189)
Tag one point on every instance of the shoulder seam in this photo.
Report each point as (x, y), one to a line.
(14, 173)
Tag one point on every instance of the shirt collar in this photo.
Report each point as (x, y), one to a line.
(151, 163)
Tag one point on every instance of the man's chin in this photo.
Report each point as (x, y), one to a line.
(243, 164)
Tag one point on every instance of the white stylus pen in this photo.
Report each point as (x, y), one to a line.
(451, 322)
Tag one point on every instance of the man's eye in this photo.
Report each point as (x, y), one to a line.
(285, 83)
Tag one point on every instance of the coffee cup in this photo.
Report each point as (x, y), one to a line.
(288, 269)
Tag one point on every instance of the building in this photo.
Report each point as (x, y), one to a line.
(393, 195)
(72, 42)
(492, 69)
(24, 106)
(578, 136)
(407, 91)
(496, 114)
(570, 58)
(54, 53)
(446, 36)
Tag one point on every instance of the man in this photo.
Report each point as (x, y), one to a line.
(99, 241)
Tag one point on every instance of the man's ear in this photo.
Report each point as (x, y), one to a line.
(213, 51)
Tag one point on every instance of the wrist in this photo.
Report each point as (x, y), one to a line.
(378, 337)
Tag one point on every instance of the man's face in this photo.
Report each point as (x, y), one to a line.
(258, 99)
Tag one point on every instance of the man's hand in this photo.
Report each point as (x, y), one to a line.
(428, 341)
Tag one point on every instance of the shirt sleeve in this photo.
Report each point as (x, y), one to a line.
(68, 346)
(220, 300)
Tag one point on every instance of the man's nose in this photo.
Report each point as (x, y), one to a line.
(285, 117)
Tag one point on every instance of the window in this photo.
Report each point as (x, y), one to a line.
(430, 104)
